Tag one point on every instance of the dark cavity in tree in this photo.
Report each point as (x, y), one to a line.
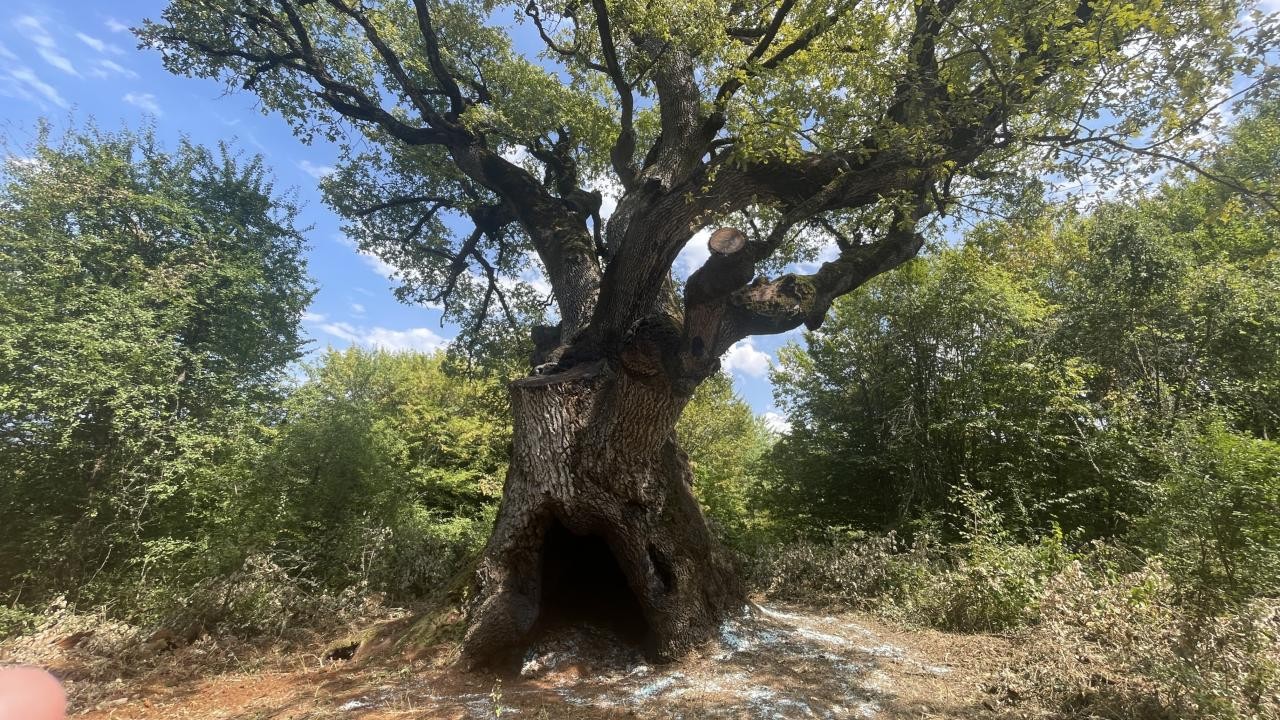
(582, 584)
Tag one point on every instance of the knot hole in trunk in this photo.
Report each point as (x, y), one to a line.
(582, 584)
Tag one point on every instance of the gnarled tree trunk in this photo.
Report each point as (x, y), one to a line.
(598, 519)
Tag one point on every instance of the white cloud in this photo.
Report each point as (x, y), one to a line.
(376, 264)
(694, 254)
(418, 339)
(106, 68)
(101, 46)
(357, 309)
(381, 338)
(608, 203)
(58, 61)
(28, 80)
(826, 253)
(313, 317)
(144, 101)
(26, 162)
(316, 171)
(6, 53)
(744, 358)
(518, 154)
(35, 31)
(533, 273)
(777, 422)
(116, 26)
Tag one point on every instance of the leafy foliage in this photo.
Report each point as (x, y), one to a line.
(385, 470)
(150, 308)
(478, 168)
(1073, 367)
(726, 443)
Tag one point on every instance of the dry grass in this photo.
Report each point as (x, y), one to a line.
(783, 662)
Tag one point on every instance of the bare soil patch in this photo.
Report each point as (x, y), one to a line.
(768, 662)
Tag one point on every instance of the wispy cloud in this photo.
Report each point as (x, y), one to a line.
(381, 338)
(357, 309)
(377, 264)
(115, 25)
(107, 68)
(316, 171)
(22, 81)
(101, 46)
(33, 28)
(6, 53)
(145, 101)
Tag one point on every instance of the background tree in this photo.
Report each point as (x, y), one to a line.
(805, 122)
(149, 310)
(726, 443)
(1112, 373)
(925, 382)
(385, 469)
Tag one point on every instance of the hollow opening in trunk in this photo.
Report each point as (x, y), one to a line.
(582, 584)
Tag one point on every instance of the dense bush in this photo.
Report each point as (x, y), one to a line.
(149, 311)
(1215, 518)
(155, 463)
(1113, 374)
(386, 467)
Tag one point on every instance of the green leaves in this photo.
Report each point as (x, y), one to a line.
(375, 443)
(1078, 369)
(865, 108)
(150, 310)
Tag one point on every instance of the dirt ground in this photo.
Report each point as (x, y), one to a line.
(769, 662)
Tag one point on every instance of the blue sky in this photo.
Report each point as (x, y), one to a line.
(72, 60)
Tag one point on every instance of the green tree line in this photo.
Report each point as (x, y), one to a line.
(1107, 374)
(1112, 373)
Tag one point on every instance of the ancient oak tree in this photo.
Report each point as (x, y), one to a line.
(486, 139)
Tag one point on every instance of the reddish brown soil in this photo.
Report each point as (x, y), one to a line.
(768, 663)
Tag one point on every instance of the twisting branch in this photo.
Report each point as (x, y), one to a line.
(456, 266)
(392, 61)
(801, 42)
(772, 31)
(432, 42)
(405, 200)
(624, 148)
(495, 287)
(1152, 151)
(773, 306)
(535, 14)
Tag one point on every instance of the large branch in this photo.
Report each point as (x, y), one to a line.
(411, 89)
(438, 69)
(767, 307)
(624, 148)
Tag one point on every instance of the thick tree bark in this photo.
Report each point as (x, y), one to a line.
(595, 464)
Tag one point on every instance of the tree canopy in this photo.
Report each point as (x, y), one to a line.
(804, 123)
(149, 312)
(1111, 372)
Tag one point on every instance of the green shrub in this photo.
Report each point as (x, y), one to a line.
(16, 621)
(424, 552)
(1216, 520)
